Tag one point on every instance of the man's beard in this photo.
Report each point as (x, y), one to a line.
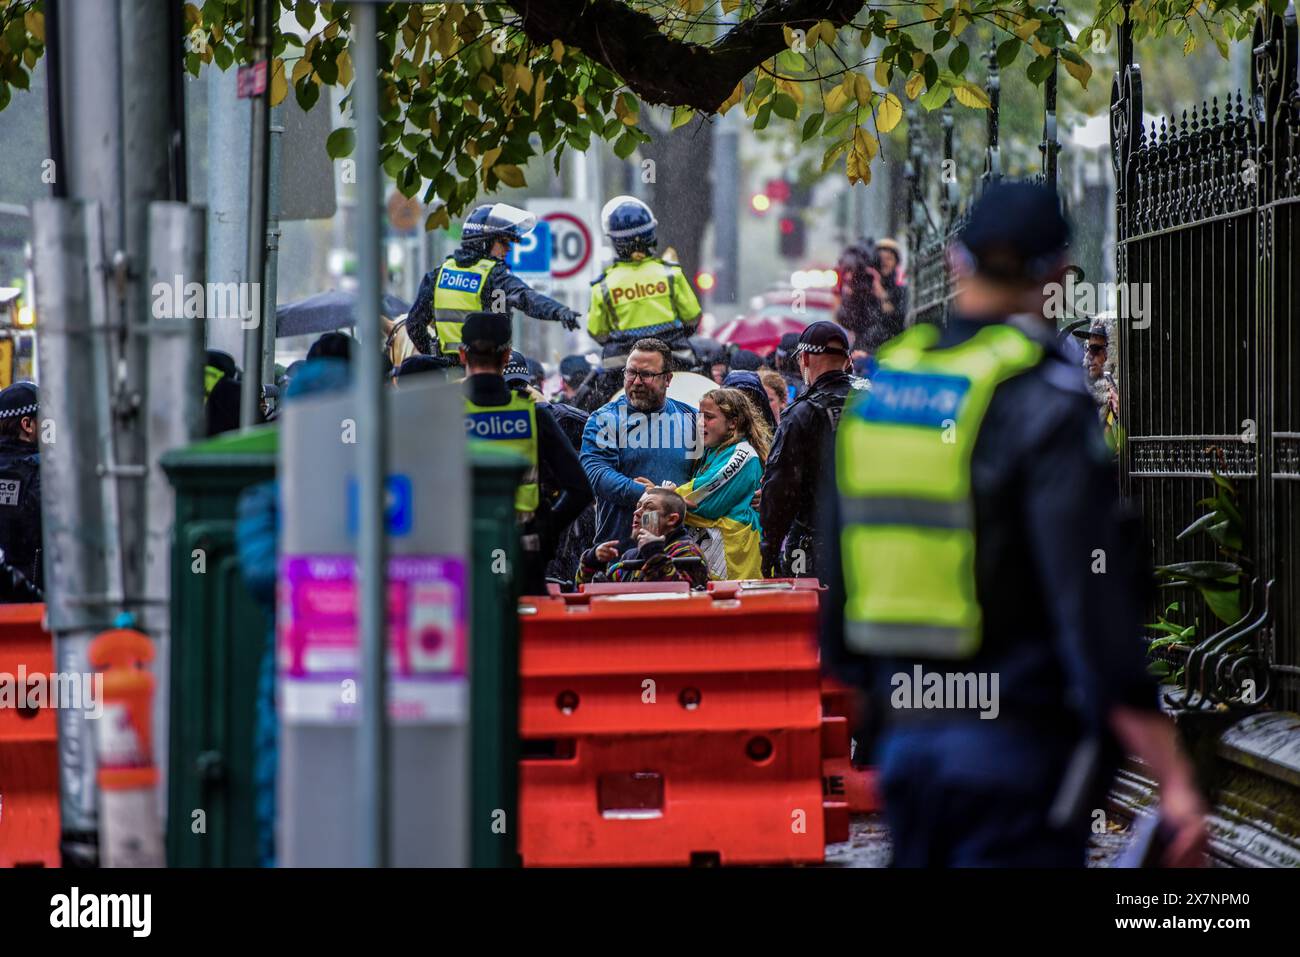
(643, 403)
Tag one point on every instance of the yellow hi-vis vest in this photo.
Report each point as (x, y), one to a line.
(513, 427)
(638, 295)
(902, 468)
(458, 292)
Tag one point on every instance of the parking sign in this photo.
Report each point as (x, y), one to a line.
(532, 254)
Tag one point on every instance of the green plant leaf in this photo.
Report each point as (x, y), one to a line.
(341, 142)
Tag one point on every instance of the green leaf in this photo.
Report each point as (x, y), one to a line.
(1159, 669)
(1198, 572)
(222, 56)
(305, 13)
(465, 165)
(1038, 70)
(682, 115)
(788, 61)
(941, 38)
(784, 106)
(811, 126)
(930, 70)
(341, 142)
(625, 146)
(1226, 605)
(935, 97)
(394, 165)
(307, 93)
(837, 126)
(764, 114)
(958, 59)
(1008, 50)
(1205, 521)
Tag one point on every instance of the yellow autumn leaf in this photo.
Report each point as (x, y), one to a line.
(858, 162)
(959, 22)
(489, 159)
(512, 176)
(557, 51)
(1027, 27)
(344, 64)
(968, 94)
(34, 20)
(438, 219)
(888, 113)
(914, 86)
(301, 69)
(882, 73)
(828, 32)
(538, 90)
(918, 58)
(1041, 48)
(728, 6)
(861, 89)
(865, 143)
(792, 88)
(836, 100)
(1190, 43)
(524, 76)
(1080, 71)
(279, 86)
(732, 100)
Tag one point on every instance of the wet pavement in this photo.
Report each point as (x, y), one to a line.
(869, 846)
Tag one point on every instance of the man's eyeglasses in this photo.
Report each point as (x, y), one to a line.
(635, 375)
(1095, 349)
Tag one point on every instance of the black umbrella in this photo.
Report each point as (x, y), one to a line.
(327, 311)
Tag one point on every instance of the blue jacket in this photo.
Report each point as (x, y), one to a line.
(620, 444)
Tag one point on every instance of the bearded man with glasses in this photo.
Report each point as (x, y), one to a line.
(640, 439)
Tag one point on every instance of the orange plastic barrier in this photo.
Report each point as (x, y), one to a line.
(671, 728)
(29, 758)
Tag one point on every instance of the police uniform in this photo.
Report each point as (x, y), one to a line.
(964, 523)
(555, 489)
(636, 298)
(804, 444)
(20, 487)
(471, 281)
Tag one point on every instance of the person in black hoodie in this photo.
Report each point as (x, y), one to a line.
(20, 481)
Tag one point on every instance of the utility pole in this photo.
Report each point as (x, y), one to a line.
(263, 26)
(726, 190)
(91, 260)
(271, 272)
(372, 559)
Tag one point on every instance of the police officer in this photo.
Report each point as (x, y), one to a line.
(475, 278)
(982, 581)
(506, 417)
(20, 481)
(639, 294)
(804, 444)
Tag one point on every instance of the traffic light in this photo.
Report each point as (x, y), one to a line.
(793, 236)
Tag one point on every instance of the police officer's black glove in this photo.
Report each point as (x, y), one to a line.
(570, 321)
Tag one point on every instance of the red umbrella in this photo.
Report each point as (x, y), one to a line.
(759, 334)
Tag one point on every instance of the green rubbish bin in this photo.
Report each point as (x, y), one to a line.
(494, 660)
(216, 646)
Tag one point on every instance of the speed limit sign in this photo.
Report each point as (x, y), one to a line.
(574, 236)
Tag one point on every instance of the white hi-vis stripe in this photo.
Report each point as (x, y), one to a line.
(909, 640)
(921, 512)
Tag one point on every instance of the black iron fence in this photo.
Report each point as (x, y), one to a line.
(1208, 206)
(936, 211)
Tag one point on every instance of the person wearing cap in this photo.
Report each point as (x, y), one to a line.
(801, 451)
(640, 294)
(499, 412)
(20, 481)
(476, 278)
(983, 582)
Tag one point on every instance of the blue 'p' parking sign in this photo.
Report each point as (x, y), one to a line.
(533, 252)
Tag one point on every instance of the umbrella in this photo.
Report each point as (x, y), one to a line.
(760, 334)
(327, 311)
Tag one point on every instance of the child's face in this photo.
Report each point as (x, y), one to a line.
(714, 427)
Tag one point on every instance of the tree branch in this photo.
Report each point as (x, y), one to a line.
(666, 70)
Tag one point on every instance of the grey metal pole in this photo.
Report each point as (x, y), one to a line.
(228, 176)
(726, 202)
(274, 173)
(252, 386)
(372, 776)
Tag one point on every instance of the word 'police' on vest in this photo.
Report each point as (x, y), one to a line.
(638, 290)
(459, 280)
(512, 424)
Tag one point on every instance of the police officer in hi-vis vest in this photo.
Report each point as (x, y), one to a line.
(639, 294)
(20, 481)
(497, 415)
(475, 278)
(985, 584)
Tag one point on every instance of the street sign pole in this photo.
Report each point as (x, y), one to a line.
(372, 780)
